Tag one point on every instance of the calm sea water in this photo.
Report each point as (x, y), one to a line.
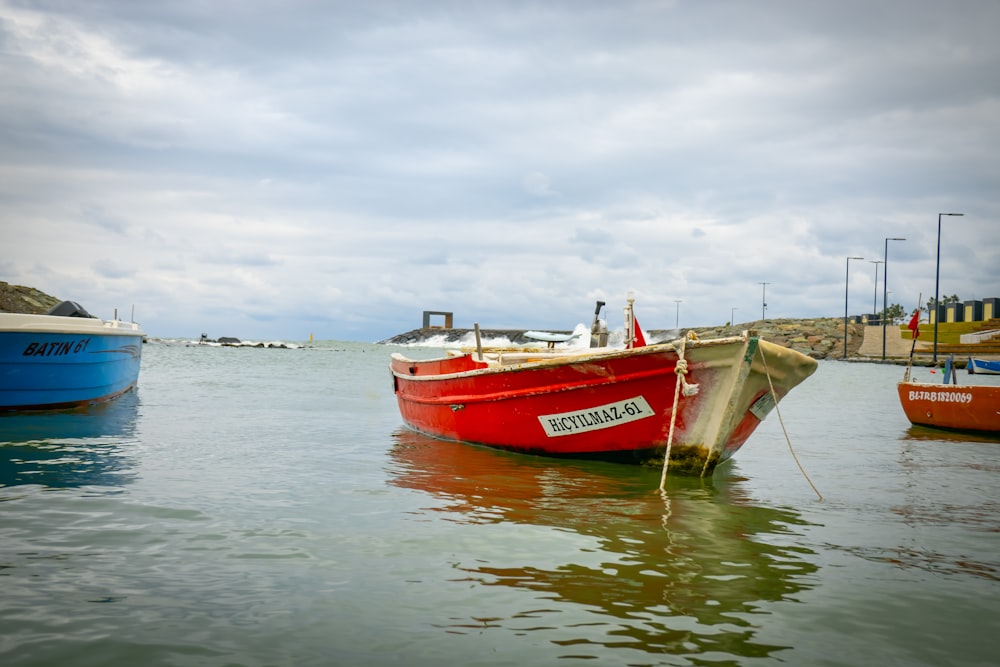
(265, 507)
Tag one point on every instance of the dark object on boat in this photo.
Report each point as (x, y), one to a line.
(69, 309)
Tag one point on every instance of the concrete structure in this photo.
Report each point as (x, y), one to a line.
(974, 310)
(448, 319)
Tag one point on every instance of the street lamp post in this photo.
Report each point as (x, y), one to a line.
(763, 298)
(876, 262)
(885, 285)
(937, 279)
(677, 320)
(847, 276)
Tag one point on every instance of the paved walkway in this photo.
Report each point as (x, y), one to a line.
(895, 344)
(897, 347)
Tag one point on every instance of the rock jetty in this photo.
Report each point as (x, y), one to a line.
(819, 338)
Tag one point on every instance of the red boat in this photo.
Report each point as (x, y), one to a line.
(694, 401)
(949, 406)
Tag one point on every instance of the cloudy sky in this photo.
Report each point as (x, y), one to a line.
(271, 169)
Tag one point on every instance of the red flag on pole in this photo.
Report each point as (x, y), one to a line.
(914, 325)
(640, 340)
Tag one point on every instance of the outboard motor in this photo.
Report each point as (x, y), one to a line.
(69, 309)
(599, 328)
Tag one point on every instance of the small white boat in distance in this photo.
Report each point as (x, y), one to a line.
(984, 366)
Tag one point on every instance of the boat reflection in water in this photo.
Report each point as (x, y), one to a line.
(81, 447)
(961, 468)
(930, 434)
(691, 571)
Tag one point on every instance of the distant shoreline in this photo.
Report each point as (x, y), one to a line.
(819, 338)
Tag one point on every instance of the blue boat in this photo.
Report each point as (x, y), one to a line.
(984, 366)
(66, 358)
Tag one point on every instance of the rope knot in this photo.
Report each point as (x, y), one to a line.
(681, 369)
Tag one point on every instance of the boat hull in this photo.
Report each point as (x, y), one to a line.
(960, 408)
(49, 362)
(984, 367)
(613, 405)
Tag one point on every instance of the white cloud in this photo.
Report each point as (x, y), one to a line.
(337, 168)
(537, 183)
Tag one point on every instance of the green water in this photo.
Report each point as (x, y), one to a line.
(265, 507)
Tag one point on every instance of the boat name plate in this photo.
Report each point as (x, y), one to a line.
(56, 348)
(599, 417)
(935, 396)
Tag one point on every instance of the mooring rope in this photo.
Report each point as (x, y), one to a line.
(681, 387)
(774, 395)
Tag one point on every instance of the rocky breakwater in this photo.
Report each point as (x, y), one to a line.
(818, 338)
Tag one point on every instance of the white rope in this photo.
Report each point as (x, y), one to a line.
(774, 395)
(681, 387)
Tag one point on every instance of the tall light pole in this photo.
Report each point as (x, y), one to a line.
(885, 284)
(677, 320)
(732, 312)
(876, 262)
(763, 298)
(937, 280)
(847, 277)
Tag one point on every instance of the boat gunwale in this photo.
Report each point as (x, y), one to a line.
(545, 390)
(32, 323)
(977, 388)
(561, 358)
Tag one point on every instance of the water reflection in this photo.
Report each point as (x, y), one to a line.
(693, 571)
(84, 447)
(936, 434)
(948, 487)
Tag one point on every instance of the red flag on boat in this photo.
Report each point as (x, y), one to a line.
(914, 325)
(640, 340)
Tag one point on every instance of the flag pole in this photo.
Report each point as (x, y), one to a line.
(914, 334)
